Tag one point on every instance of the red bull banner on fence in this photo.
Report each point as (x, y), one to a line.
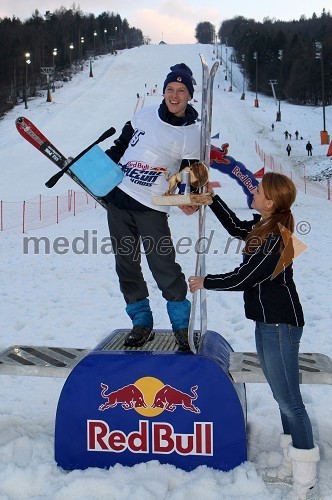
(220, 160)
(131, 407)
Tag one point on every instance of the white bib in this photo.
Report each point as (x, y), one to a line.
(155, 151)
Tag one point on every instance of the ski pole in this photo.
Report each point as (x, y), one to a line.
(53, 180)
(206, 115)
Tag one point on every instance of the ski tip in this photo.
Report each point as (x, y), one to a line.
(20, 119)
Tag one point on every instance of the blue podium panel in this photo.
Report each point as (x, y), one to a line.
(132, 407)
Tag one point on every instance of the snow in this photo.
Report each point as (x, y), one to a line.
(73, 300)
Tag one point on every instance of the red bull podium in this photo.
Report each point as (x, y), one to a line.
(131, 405)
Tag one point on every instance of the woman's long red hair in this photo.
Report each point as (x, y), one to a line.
(281, 190)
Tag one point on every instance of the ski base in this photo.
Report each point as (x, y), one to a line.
(36, 138)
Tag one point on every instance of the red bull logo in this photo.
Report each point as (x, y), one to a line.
(244, 178)
(159, 169)
(148, 396)
(138, 164)
(218, 155)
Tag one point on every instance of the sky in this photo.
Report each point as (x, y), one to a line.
(73, 299)
(171, 20)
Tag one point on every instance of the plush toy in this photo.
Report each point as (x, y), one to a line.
(198, 174)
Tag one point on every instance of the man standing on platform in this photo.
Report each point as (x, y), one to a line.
(158, 141)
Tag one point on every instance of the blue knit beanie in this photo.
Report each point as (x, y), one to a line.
(181, 73)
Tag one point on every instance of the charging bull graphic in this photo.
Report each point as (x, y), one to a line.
(235, 169)
(168, 398)
(128, 397)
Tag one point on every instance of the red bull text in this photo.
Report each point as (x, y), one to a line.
(161, 438)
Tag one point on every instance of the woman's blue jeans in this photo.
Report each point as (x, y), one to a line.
(278, 348)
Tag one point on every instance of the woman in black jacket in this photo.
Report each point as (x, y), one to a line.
(271, 300)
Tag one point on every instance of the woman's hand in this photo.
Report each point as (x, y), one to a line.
(196, 283)
(209, 189)
(188, 209)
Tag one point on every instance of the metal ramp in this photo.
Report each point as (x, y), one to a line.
(40, 361)
(244, 367)
(315, 368)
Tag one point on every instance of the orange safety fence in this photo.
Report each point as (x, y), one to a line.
(43, 211)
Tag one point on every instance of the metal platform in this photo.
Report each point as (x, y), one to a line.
(163, 341)
(314, 368)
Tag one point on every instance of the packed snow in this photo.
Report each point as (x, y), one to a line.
(73, 299)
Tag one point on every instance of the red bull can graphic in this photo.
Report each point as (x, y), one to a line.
(132, 407)
(185, 182)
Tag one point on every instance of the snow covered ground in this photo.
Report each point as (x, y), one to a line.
(74, 301)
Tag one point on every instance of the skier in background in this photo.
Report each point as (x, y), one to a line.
(288, 149)
(158, 140)
(309, 148)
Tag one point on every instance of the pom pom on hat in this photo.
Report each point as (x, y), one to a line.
(181, 73)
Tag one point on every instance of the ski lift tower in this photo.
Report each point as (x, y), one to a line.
(48, 71)
(273, 83)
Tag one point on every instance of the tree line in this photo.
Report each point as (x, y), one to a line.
(62, 40)
(297, 54)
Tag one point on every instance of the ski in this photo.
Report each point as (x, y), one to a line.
(205, 145)
(34, 136)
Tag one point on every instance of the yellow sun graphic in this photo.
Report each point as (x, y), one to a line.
(149, 387)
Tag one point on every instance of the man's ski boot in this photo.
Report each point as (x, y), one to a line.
(138, 336)
(181, 337)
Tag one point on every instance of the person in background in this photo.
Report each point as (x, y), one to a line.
(157, 142)
(309, 148)
(288, 149)
(271, 301)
